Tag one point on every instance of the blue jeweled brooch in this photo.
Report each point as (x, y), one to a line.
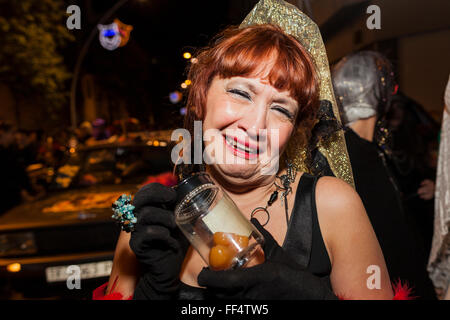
(123, 213)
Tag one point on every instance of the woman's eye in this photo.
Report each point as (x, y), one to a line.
(240, 93)
(285, 112)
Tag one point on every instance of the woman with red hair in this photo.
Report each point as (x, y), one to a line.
(319, 243)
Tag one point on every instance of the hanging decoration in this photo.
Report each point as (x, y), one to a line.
(114, 35)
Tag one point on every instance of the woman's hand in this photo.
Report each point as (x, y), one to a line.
(279, 277)
(157, 242)
(426, 190)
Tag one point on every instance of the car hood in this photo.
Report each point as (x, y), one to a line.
(77, 206)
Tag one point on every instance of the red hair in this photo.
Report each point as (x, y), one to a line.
(245, 52)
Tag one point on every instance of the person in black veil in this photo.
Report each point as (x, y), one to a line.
(364, 86)
(414, 145)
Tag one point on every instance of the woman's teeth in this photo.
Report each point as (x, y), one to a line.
(240, 146)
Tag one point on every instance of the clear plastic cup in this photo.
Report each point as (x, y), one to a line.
(214, 225)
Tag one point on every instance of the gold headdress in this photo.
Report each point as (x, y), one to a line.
(300, 26)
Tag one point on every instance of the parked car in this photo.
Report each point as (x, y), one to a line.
(72, 225)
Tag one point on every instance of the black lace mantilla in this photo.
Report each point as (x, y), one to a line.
(325, 127)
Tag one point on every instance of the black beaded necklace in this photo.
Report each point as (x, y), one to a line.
(285, 188)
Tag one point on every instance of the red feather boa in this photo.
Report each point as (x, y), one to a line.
(100, 293)
(401, 292)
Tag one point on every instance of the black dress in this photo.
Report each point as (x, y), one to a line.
(376, 185)
(303, 239)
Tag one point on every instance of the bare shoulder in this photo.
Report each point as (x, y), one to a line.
(340, 212)
(336, 197)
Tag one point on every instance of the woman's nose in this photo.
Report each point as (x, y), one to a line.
(254, 120)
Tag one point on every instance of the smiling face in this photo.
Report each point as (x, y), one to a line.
(251, 90)
(251, 122)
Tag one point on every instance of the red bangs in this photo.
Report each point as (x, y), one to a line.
(268, 52)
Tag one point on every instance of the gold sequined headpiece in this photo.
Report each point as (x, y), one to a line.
(296, 23)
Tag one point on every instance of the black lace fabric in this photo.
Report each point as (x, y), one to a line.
(326, 126)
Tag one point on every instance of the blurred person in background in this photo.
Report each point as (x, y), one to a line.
(99, 131)
(27, 144)
(414, 145)
(83, 132)
(364, 86)
(15, 186)
(51, 151)
(439, 263)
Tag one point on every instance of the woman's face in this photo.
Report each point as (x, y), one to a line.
(248, 123)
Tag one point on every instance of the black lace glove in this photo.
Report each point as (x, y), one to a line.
(159, 245)
(279, 277)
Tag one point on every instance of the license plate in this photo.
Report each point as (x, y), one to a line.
(85, 271)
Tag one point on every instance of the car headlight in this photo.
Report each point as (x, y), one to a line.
(15, 244)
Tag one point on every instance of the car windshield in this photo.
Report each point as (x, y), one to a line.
(112, 165)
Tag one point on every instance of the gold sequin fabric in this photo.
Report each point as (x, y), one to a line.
(300, 26)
